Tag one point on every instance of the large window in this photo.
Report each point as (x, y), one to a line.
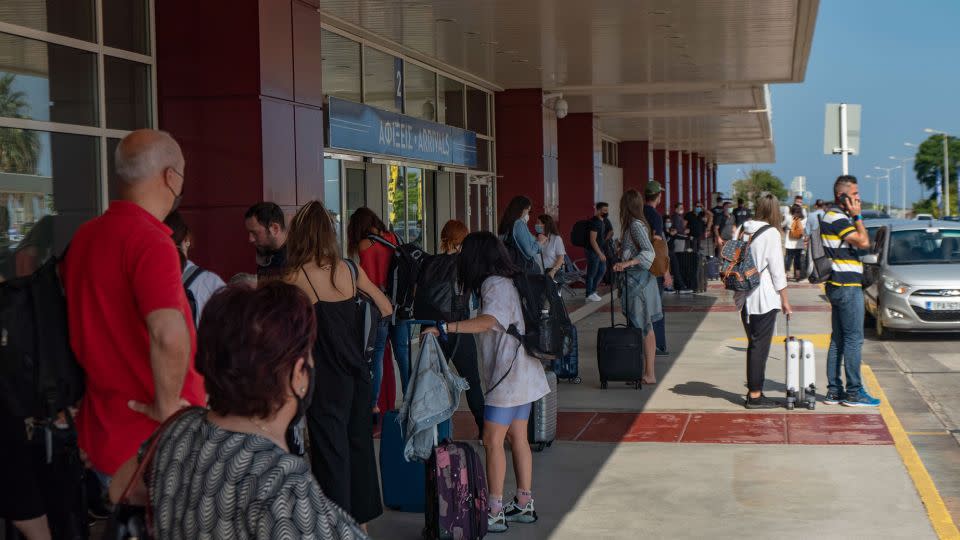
(451, 102)
(382, 80)
(341, 66)
(65, 102)
(421, 92)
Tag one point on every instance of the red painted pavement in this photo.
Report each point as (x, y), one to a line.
(799, 427)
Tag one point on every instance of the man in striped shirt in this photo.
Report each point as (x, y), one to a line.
(842, 233)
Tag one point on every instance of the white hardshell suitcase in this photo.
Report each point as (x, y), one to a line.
(801, 379)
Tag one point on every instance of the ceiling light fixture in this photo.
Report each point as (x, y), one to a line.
(520, 60)
(660, 12)
(445, 20)
(472, 34)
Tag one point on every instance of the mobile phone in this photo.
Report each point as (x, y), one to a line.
(845, 201)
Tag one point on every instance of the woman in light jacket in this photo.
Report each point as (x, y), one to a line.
(759, 307)
(514, 232)
(640, 294)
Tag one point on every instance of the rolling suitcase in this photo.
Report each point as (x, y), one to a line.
(713, 268)
(619, 351)
(567, 367)
(687, 268)
(402, 480)
(456, 494)
(801, 371)
(542, 425)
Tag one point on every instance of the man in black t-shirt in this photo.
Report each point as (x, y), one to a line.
(697, 224)
(266, 230)
(600, 233)
(741, 214)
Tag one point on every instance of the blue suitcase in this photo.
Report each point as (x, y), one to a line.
(567, 368)
(403, 482)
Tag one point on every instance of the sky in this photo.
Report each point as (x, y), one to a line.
(896, 58)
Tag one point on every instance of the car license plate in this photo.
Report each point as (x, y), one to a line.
(943, 306)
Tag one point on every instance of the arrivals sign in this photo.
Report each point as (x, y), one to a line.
(361, 128)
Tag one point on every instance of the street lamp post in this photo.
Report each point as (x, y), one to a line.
(946, 168)
(887, 170)
(876, 201)
(903, 177)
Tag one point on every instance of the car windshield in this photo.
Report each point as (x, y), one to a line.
(924, 246)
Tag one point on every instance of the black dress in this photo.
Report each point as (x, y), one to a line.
(339, 422)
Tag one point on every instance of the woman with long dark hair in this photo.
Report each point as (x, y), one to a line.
(375, 260)
(515, 234)
(759, 307)
(554, 253)
(639, 293)
(513, 379)
(339, 421)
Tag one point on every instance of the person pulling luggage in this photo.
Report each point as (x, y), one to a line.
(513, 379)
(759, 307)
(641, 304)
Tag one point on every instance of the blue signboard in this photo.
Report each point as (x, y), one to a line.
(361, 128)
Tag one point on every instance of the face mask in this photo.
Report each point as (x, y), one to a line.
(539, 228)
(669, 224)
(177, 198)
(526, 218)
(295, 430)
(699, 210)
(729, 210)
(605, 214)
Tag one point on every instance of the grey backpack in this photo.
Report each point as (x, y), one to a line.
(821, 265)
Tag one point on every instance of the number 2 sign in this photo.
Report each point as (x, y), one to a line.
(398, 83)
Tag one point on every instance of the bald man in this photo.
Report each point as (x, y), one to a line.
(127, 310)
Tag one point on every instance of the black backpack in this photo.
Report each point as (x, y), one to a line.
(438, 296)
(549, 331)
(580, 235)
(402, 275)
(188, 280)
(39, 374)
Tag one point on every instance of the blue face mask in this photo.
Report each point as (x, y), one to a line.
(539, 228)
(699, 210)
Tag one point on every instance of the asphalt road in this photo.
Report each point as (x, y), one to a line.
(921, 375)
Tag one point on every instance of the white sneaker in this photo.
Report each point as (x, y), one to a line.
(594, 298)
(686, 291)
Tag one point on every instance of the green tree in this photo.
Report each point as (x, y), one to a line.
(757, 182)
(927, 206)
(929, 161)
(19, 148)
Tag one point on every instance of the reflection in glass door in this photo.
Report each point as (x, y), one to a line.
(480, 204)
(405, 206)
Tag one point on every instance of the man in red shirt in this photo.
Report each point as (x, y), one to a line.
(127, 309)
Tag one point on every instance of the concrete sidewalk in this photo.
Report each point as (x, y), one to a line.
(683, 459)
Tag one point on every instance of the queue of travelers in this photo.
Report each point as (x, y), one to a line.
(245, 409)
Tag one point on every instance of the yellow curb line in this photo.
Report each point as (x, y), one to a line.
(940, 518)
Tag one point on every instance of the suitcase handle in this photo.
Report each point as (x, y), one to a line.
(626, 290)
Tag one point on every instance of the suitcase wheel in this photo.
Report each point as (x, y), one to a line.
(603, 385)
(636, 385)
(576, 380)
(790, 405)
(811, 405)
(538, 447)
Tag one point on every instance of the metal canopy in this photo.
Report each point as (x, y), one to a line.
(684, 74)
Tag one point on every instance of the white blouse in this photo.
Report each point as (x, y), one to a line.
(768, 256)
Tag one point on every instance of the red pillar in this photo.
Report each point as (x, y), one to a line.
(578, 173)
(675, 180)
(251, 129)
(526, 150)
(696, 178)
(635, 162)
(707, 192)
(659, 167)
(687, 187)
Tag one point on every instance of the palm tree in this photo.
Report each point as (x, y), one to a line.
(19, 148)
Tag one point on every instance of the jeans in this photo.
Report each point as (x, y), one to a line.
(846, 340)
(400, 338)
(795, 255)
(595, 270)
(379, 346)
(759, 330)
(678, 283)
(660, 326)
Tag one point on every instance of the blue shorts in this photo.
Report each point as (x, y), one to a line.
(506, 415)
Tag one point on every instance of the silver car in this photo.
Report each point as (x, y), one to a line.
(912, 277)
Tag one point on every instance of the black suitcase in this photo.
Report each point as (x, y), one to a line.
(619, 351)
(688, 266)
(701, 273)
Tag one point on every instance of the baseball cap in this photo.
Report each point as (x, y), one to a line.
(653, 187)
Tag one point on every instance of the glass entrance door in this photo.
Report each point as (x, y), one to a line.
(405, 207)
(480, 204)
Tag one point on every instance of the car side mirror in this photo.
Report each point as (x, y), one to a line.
(871, 258)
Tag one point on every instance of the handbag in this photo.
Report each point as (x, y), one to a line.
(130, 521)
(661, 253)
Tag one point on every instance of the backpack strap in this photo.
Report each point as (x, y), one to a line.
(381, 240)
(354, 273)
(191, 275)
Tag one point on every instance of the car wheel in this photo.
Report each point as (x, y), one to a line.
(882, 331)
